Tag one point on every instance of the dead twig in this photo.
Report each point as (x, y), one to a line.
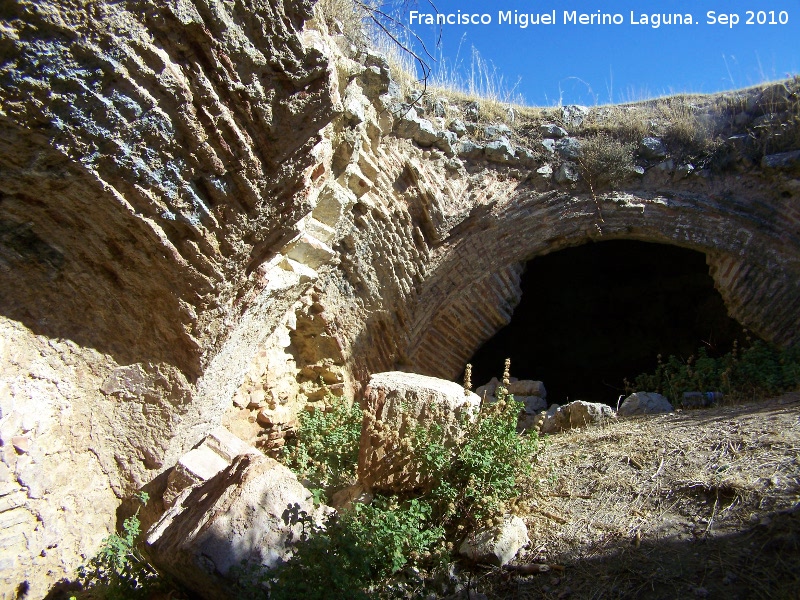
(528, 569)
(713, 513)
(570, 496)
(660, 466)
(553, 516)
(635, 463)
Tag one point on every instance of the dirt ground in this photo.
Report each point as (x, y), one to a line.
(694, 504)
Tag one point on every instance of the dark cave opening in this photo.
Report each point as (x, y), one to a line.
(594, 314)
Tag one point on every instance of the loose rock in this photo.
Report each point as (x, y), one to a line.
(497, 132)
(567, 173)
(527, 387)
(549, 130)
(355, 493)
(499, 151)
(496, 545)
(569, 147)
(644, 403)
(783, 161)
(472, 111)
(683, 171)
(652, 148)
(575, 414)
(573, 115)
(545, 172)
(413, 127)
(457, 126)
(470, 150)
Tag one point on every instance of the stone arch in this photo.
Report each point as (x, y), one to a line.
(474, 285)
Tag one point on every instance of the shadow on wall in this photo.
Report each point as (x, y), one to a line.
(75, 265)
(595, 314)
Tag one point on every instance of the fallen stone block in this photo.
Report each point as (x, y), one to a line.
(526, 387)
(201, 464)
(357, 492)
(397, 404)
(247, 514)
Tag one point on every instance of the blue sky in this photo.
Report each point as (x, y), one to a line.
(595, 64)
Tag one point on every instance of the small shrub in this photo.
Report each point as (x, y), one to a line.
(478, 480)
(119, 571)
(325, 451)
(353, 552)
(605, 161)
(328, 564)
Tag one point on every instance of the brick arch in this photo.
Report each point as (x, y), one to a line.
(473, 288)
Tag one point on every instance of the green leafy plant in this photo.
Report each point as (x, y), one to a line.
(325, 451)
(331, 561)
(759, 370)
(353, 552)
(119, 571)
(472, 483)
(491, 463)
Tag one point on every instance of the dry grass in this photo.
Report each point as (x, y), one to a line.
(682, 119)
(346, 17)
(475, 78)
(605, 161)
(693, 504)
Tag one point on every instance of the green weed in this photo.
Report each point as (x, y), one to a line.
(360, 550)
(325, 452)
(757, 371)
(119, 571)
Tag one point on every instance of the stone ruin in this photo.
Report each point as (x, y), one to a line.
(217, 214)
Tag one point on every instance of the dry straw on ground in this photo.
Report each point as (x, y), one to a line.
(694, 504)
